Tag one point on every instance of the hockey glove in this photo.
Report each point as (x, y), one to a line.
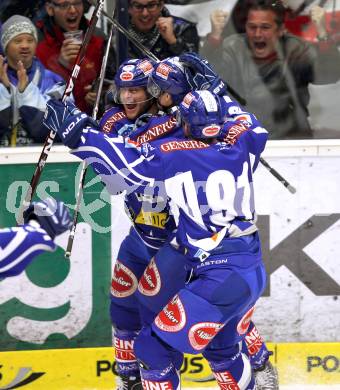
(200, 74)
(67, 121)
(52, 215)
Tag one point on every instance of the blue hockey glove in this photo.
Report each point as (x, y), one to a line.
(200, 74)
(65, 119)
(52, 215)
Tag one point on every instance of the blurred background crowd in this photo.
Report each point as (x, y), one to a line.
(280, 59)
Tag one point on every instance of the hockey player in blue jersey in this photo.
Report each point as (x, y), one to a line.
(149, 231)
(43, 221)
(211, 186)
(169, 82)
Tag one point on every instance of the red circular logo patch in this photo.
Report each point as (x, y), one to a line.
(124, 282)
(243, 325)
(150, 282)
(172, 318)
(211, 131)
(202, 333)
(126, 76)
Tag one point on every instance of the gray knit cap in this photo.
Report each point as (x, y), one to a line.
(14, 26)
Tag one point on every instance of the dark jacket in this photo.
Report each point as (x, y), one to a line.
(186, 35)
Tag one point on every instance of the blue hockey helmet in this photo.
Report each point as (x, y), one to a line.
(132, 73)
(204, 114)
(169, 76)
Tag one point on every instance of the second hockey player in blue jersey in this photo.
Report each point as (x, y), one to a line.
(44, 220)
(133, 105)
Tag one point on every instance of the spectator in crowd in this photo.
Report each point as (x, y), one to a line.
(301, 13)
(1, 51)
(25, 85)
(59, 52)
(223, 24)
(163, 34)
(29, 8)
(271, 69)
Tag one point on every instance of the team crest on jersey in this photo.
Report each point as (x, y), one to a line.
(124, 283)
(163, 71)
(126, 76)
(243, 325)
(150, 282)
(202, 333)
(188, 98)
(146, 67)
(172, 318)
(211, 131)
(146, 148)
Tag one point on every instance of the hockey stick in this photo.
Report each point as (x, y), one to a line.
(68, 90)
(276, 174)
(153, 57)
(84, 164)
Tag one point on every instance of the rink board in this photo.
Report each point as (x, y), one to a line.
(94, 368)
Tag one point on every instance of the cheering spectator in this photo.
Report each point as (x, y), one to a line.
(25, 85)
(163, 34)
(271, 69)
(60, 37)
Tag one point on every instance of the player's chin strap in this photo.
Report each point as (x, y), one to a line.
(150, 99)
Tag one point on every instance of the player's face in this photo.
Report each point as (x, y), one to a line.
(134, 100)
(165, 100)
(144, 13)
(263, 33)
(21, 48)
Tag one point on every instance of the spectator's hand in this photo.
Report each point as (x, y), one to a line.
(68, 52)
(22, 77)
(318, 16)
(90, 97)
(165, 26)
(3, 72)
(218, 19)
(52, 215)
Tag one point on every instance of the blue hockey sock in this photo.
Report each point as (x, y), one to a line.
(254, 346)
(126, 362)
(166, 379)
(231, 368)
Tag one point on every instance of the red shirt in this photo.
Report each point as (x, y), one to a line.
(48, 52)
